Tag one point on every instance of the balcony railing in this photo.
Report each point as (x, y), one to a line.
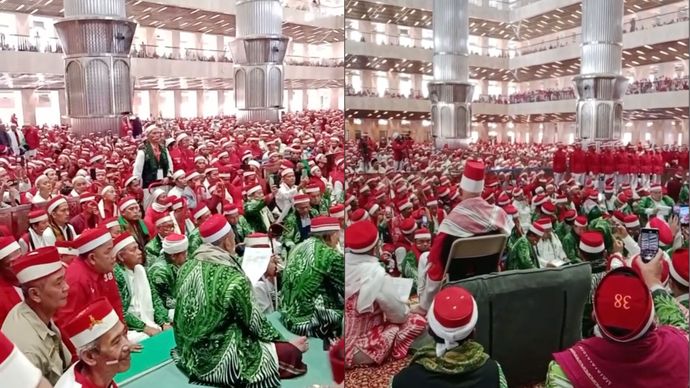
(663, 84)
(632, 25)
(52, 45)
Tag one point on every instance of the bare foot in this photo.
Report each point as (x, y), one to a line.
(301, 343)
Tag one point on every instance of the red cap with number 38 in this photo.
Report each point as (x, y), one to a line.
(623, 305)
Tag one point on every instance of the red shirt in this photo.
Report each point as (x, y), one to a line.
(9, 297)
(559, 161)
(85, 286)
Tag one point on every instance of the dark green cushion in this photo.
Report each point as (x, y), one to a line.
(525, 316)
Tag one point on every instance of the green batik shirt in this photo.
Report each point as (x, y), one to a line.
(222, 338)
(522, 255)
(409, 269)
(561, 230)
(163, 278)
(194, 242)
(571, 246)
(291, 235)
(243, 228)
(667, 313)
(311, 295)
(160, 313)
(604, 227)
(647, 204)
(153, 251)
(252, 213)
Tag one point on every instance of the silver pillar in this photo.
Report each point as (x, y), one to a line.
(258, 52)
(96, 37)
(600, 87)
(451, 92)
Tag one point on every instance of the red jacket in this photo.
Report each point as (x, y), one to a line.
(578, 163)
(86, 285)
(9, 297)
(607, 162)
(560, 161)
(646, 163)
(182, 159)
(593, 164)
(658, 163)
(398, 149)
(33, 140)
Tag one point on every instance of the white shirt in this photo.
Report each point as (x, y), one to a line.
(549, 250)
(49, 237)
(284, 196)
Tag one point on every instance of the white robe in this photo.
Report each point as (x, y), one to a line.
(49, 236)
(141, 304)
(550, 250)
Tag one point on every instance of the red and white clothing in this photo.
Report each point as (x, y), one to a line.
(73, 378)
(87, 285)
(10, 296)
(377, 318)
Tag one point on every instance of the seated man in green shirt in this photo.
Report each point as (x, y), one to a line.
(631, 350)
(312, 283)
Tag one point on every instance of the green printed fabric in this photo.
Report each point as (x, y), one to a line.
(311, 297)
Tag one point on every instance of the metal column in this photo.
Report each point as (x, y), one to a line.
(451, 92)
(258, 52)
(600, 87)
(96, 37)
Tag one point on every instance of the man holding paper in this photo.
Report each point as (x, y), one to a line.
(312, 288)
(222, 337)
(655, 204)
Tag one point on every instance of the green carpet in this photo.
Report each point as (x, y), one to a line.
(153, 366)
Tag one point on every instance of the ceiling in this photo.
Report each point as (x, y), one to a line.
(560, 19)
(177, 18)
(51, 82)
(643, 114)
(645, 55)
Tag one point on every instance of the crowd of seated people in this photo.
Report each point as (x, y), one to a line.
(113, 232)
(555, 212)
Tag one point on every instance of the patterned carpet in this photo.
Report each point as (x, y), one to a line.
(375, 377)
(380, 376)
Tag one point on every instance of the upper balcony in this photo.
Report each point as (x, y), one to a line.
(20, 57)
(499, 19)
(645, 45)
(303, 24)
(668, 94)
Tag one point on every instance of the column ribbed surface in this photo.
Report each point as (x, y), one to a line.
(259, 17)
(451, 34)
(112, 8)
(602, 36)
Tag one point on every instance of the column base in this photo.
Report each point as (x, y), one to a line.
(258, 115)
(106, 125)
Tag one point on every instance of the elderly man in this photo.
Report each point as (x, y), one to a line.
(182, 190)
(287, 190)
(312, 283)
(473, 216)
(130, 221)
(33, 238)
(164, 226)
(145, 315)
(90, 275)
(152, 162)
(256, 209)
(30, 323)
(58, 216)
(655, 204)
(297, 223)
(163, 273)
(222, 338)
(10, 294)
(630, 349)
(378, 321)
(102, 346)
